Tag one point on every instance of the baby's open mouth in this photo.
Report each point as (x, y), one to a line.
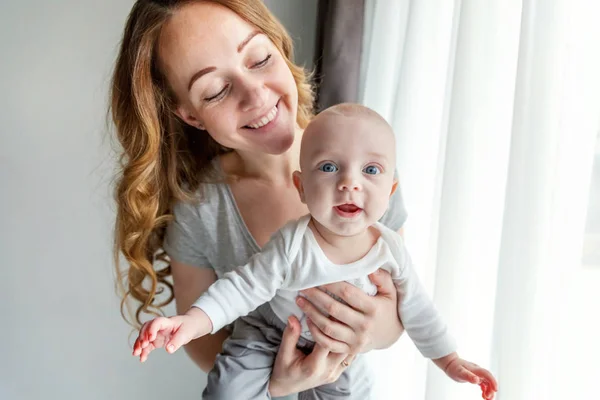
(348, 210)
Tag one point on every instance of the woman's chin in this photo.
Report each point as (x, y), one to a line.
(279, 145)
(270, 143)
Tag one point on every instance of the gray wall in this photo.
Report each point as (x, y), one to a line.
(300, 18)
(61, 334)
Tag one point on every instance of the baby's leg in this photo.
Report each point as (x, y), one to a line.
(243, 368)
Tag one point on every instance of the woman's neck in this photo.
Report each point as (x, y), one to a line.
(265, 167)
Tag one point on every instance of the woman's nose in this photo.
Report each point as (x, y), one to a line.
(254, 96)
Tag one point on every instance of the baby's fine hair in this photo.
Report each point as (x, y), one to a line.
(354, 110)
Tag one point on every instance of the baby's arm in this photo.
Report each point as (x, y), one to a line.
(428, 331)
(242, 290)
(234, 295)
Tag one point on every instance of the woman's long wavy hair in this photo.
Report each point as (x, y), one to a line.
(164, 159)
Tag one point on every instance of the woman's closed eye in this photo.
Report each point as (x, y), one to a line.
(263, 62)
(221, 93)
(218, 95)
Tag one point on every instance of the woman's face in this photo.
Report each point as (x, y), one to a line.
(229, 79)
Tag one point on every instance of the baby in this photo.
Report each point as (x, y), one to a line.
(347, 162)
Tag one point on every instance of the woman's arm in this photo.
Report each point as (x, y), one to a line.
(189, 283)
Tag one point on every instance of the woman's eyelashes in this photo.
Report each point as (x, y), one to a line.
(223, 92)
(218, 95)
(263, 62)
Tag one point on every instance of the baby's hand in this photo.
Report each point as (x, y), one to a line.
(171, 333)
(464, 371)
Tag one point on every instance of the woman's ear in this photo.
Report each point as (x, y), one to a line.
(297, 178)
(188, 117)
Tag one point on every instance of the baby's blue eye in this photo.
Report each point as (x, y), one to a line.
(371, 170)
(328, 167)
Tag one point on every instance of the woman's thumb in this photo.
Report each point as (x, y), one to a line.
(383, 280)
(289, 340)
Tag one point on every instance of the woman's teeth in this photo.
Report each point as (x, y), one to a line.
(264, 120)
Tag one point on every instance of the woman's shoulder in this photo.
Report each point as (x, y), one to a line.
(193, 228)
(206, 197)
(204, 202)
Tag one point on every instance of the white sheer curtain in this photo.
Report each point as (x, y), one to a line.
(496, 108)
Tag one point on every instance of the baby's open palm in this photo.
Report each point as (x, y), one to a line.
(170, 333)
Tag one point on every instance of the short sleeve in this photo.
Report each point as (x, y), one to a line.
(395, 216)
(183, 239)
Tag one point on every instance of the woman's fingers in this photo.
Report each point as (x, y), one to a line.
(355, 297)
(326, 341)
(318, 353)
(383, 280)
(329, 327)
(339, 358)
(319, 300)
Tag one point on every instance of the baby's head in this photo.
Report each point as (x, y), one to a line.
(347, 163)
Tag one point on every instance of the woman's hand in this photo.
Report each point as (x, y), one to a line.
(294, 371)
(366, 323)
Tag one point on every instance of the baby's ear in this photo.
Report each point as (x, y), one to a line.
(394, 187)
(297, 178)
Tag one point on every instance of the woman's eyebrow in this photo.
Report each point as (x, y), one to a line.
(245, 41)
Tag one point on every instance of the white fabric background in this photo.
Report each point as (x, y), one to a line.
(496, 107)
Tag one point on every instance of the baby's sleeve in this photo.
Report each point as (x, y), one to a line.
(418, 314)
(242, 290)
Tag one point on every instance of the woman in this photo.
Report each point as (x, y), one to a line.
(209, 110)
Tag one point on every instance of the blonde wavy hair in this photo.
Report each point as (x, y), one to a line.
(162, 159)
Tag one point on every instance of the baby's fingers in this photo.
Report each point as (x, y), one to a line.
(137, 347)
(486, 390)
(156, 325)
(146, 351)
(487, 377)
(466, 375)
